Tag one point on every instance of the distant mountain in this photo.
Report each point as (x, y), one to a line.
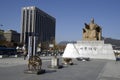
(66, 42)
(114, 42)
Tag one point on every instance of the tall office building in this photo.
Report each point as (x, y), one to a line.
(37, 22)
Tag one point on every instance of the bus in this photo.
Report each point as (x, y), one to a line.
(7, 51)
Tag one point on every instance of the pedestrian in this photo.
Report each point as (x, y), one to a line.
(25, 52)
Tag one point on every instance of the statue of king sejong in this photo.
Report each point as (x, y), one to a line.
(92, 31)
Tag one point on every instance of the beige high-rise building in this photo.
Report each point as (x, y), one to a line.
(37, 22)
(12, 36)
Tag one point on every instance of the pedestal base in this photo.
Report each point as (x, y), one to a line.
(55, 67)
(41, 71)
(89, 49)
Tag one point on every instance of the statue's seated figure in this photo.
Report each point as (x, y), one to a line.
(92, 31)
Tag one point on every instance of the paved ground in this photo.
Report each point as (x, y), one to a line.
(111, 71)
(13, 69)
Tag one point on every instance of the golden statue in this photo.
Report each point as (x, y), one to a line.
(92, 31)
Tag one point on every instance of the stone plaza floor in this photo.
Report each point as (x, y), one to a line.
(13, 69)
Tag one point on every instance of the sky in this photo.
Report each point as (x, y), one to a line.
(70, 16)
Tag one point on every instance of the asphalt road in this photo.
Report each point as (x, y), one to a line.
(13, 69)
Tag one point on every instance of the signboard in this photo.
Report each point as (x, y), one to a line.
(51, 45)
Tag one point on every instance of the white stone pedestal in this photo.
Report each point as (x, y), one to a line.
(89, 49)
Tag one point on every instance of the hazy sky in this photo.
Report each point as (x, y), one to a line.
(70, 16)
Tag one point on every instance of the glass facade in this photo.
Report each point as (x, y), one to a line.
(39, 23)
